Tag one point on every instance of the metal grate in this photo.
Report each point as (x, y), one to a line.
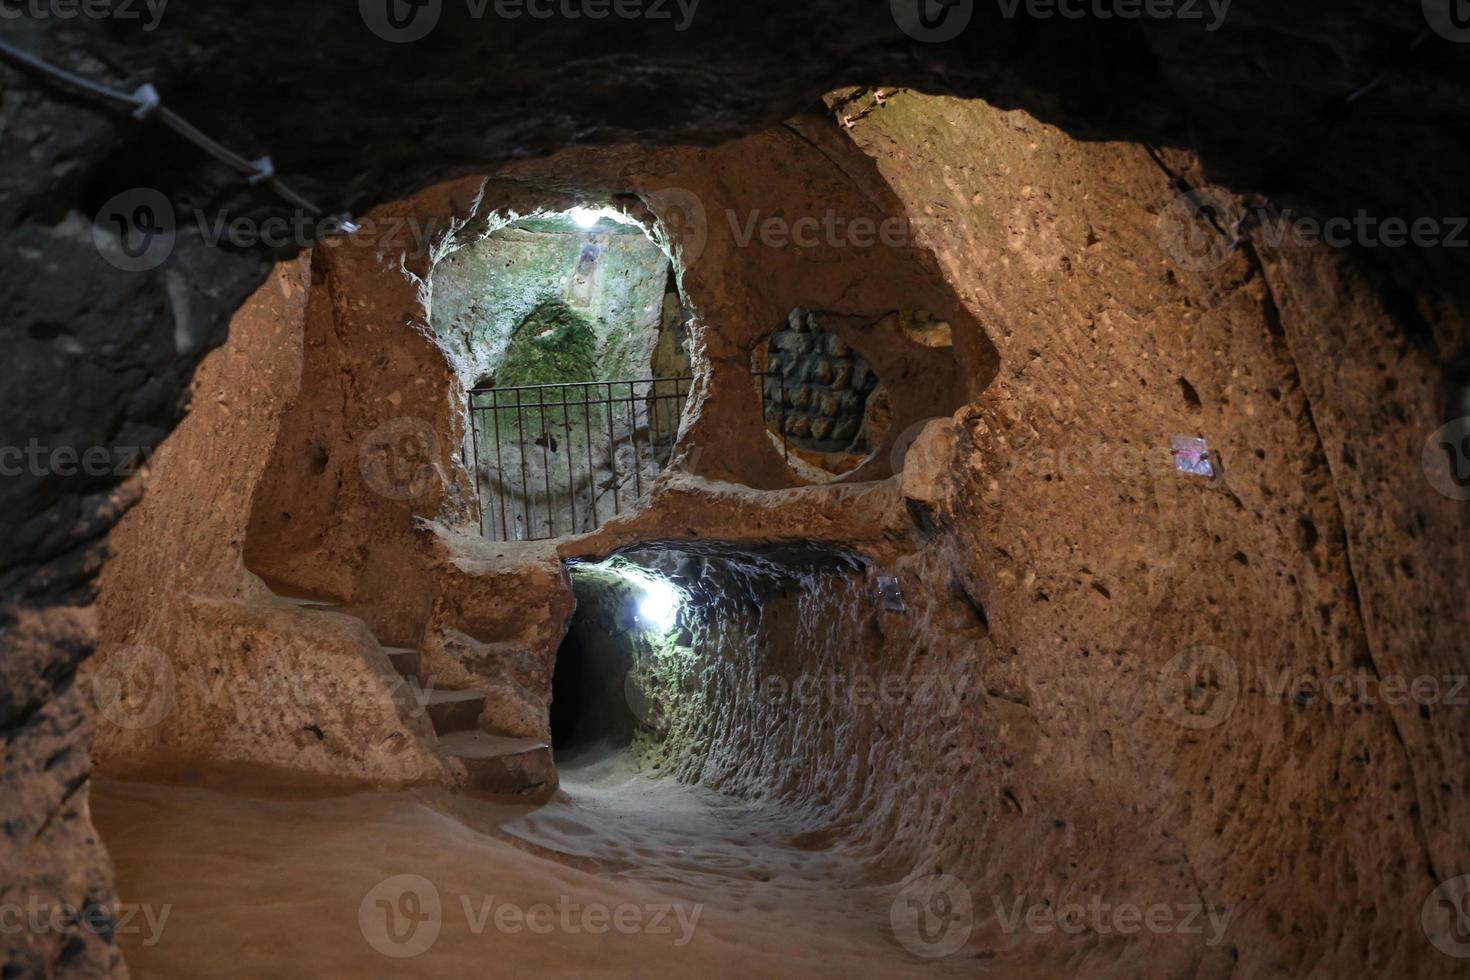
(558, 459)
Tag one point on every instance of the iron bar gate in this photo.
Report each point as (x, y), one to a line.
(563, 458)
(557, 459)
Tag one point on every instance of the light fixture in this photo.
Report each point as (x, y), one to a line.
(659, 605)
(654, 601)
(586, 217)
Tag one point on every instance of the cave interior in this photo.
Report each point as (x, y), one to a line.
(983, 505)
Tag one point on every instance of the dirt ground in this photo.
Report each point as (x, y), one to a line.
(621, 875)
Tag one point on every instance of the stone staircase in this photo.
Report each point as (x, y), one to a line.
(483, 762)
(488, 763)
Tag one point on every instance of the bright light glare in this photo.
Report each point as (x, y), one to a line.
(660, 604)
(586, 217)
(655, 599)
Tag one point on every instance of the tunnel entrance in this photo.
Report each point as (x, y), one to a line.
(591, 716)
(567, 694)
(589, 712)
(668, 634)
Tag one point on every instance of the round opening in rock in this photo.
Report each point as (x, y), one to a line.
(567, 330)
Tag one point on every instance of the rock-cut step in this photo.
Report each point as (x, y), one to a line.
(503, 765)
(497, 764)
(404, 660)
(453, 711)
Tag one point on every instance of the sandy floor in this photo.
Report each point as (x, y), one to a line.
(620, 876)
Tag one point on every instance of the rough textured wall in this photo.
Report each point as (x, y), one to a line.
(340, 471)
(741, 691)
(364, 499)
(1111, 337)
(744, 265)
(358, 461)
(51, 851)
(1401, 541)
(1152, 658)
(372, 369)
(198, 663)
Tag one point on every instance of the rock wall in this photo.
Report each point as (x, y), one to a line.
(199, 664)
(1093, 576)
(52, 855)
(338, 454)
(365, 499)
(1148, 665)
(370, 449)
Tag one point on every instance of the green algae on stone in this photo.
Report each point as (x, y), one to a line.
(553, 343)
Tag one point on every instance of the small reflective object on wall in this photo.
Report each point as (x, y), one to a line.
(1191, 455)
(889, 592)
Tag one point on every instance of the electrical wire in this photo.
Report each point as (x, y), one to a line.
(146, 102)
